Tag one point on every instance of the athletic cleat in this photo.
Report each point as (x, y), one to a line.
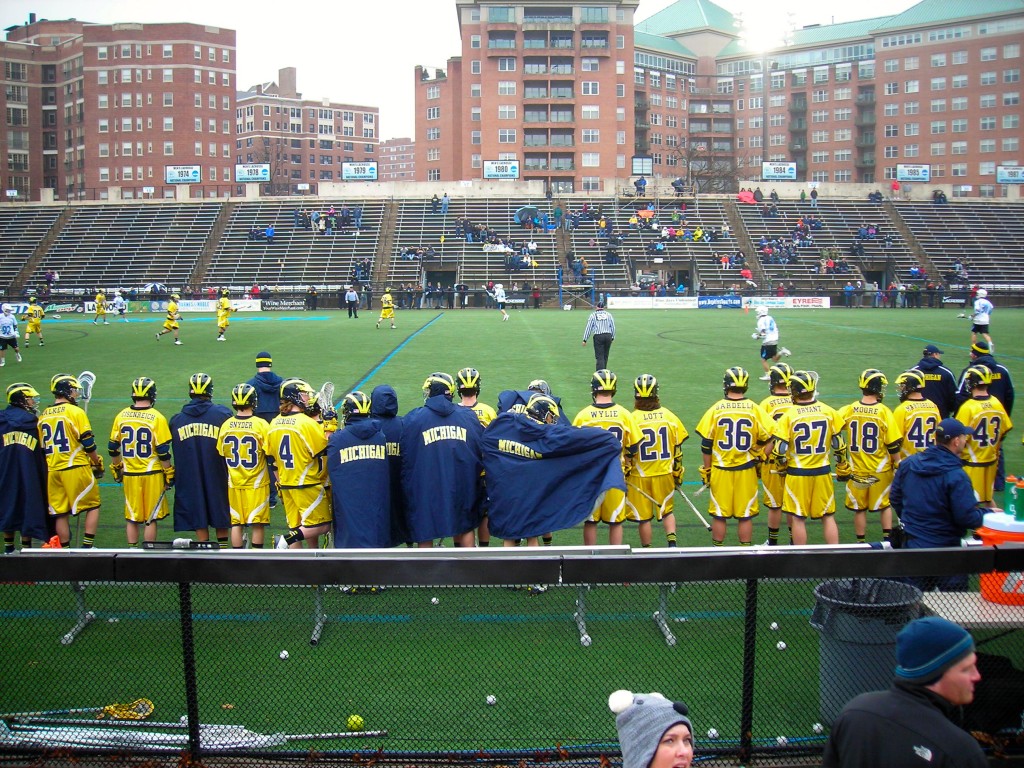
(178, 342)
(280, 542)
(785, 352)
(105, 322)
(3, 363)
(764, 378)
(221, 338)
(158, 337)
(18, 354)
(42, 343)
(377, 326)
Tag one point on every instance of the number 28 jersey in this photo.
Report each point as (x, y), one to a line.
(142, 437)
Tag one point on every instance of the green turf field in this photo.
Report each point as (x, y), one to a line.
(687, 350)
(423, 670)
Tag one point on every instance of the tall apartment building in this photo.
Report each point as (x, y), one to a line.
(93, 106)
(305, 141)
(576, 90)
(398, 160)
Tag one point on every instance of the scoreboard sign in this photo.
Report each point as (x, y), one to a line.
(907, 172)
(251, 172)
(501, 169)
(1009, 174)
(183, 174)
(359, 171)
(778, 171)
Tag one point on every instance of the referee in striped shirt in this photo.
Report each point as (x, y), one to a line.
(601, 326)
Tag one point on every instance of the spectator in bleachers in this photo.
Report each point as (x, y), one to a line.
(444, 204)
(269, 233)
(939, 197)
(435, 203)
(876, 197)
(255, 233)
(814, 198)
(758, 195)
(774, 196)
(679, 186)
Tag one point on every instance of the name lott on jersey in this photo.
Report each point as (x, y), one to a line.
(518, 449)
(21, 438)
(444, 432)
(185, 431)
(362, 452)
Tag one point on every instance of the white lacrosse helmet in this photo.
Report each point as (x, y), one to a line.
(7, 308)
(762, 311)
(982, 293)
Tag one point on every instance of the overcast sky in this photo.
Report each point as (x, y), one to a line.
(364, 53)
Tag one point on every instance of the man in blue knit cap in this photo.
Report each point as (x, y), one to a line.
(915, 722)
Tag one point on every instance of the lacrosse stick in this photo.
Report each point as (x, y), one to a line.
(137, 710)
(861, 481)
(156, 509)
(325, 397)
(696, 511)
(86, 381)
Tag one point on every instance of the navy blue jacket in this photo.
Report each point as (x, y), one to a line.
(441, 469)
(1001, 387)
(357, 462)
(268, 394)
(201, 477)
(934, 499)
(22, 475)
(546, 477)
(940, 385)
(384, 408)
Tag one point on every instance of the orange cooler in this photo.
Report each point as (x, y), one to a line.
(1006, 588)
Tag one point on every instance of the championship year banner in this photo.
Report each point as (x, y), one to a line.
(183, 174)
(911, 172)
(359, 171)
(251, 172)
(778, 171)
(501, 169)
(1009, 174)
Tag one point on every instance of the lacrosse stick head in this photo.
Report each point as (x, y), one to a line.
(139, 709)
(86, 380)
(325, 397)
(863, 481)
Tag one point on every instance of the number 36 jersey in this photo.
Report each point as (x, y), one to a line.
(735, 432)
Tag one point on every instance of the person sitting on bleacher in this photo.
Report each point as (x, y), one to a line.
(698, 234)
(679, 187)
(876, 197)
(939, 197)
(655, 247)
(255, 233)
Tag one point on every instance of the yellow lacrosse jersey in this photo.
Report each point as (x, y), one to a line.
(172, 311)
(141, 436)
(386, 302)
(737, 431)
(989, 423)
(870, 430)
(613, 418)
(223, 307)
(35, 313)
(243, 444)
(484, 413)
(918, 420)
(776, 405)
(297, 444)
(61, 429)
(662, 435)
(808, 428)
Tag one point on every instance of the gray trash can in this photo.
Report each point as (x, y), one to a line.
(858, 620)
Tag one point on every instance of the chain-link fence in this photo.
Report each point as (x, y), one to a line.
(482, 656)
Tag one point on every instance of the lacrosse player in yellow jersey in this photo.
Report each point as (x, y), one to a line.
(72, 460)
(387, 308)
(34, 315)
(874, 438)
(243, 444)
(224, 310)
(773, 479)
(988, 421)
(916, 415)
(140, 458)
(735, 433)
(610, 416)
(804, 435)
(171, 321)
(467, 384)
(101, 308)
(658, 472)
(297, 444)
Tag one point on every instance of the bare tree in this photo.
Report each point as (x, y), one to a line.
(705, 168)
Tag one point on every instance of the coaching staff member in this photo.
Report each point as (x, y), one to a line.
(935, 500)
(600, 325)
(915, 721)
(940, 384)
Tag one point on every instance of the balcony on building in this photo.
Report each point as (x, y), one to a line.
(866, 140)
(798, 126)
(865, 120)
(798, 106)
(798, 146)
(865, 161)
(866, 98)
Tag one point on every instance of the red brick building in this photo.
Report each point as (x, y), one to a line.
(89, 107)
(305, 141)
(398, 160)
(574, 91)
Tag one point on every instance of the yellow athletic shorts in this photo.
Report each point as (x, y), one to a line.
(72, 491)
(733, 493)
(982, 479)
(249, 506)
(869, 498)
(641, 508)
(612, 509)
(308, 506)
(140, 495)
(809, 496)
